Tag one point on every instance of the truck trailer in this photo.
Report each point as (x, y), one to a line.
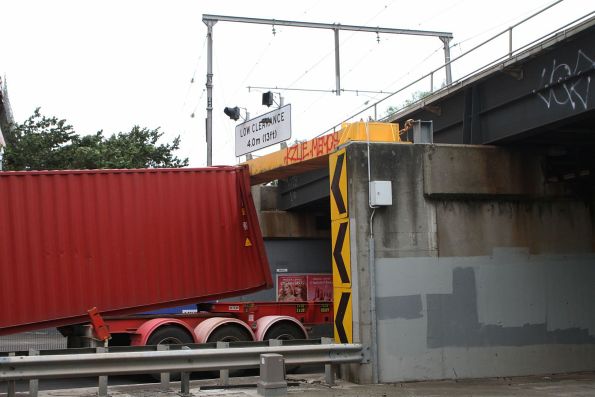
(86, 251)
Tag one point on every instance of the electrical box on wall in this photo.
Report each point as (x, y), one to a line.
(381, 193)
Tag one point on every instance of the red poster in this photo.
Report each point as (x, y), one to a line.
(320, 287)
(291, 288)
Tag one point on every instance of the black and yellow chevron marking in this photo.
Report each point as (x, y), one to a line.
(342, 301)
(341, 253)
(338, 181)
(343, 315)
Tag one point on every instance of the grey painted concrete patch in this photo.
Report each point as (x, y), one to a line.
(408, 307)
(453, 322)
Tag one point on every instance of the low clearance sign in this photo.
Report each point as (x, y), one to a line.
(264, 130)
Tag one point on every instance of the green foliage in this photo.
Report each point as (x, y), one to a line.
(416, 96)
(45, 143)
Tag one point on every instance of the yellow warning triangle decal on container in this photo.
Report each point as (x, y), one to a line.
(247, 243)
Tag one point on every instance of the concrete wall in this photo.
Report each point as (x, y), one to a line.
(293, 256)
(481, 267)
(285, 224)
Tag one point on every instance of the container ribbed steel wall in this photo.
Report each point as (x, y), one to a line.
(124, 241)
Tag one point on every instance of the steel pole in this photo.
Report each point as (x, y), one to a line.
(209, 134)
(337, 63)
(446, 41)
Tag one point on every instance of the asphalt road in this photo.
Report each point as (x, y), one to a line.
(571, 385)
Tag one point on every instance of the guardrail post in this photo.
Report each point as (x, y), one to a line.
(165, 376)
(272, 376)
(102, 380)
(432, 82)
(223, 373)
(510, 42)
(329, 369)
(11, 388)
(185, 380)
(33, 383)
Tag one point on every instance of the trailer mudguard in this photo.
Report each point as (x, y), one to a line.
(143, 333)
(265, 323)
(207, 327)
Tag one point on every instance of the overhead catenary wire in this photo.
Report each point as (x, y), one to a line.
(256, 63)
(471, 50)
(388, 87)
(356, 91)
(193, 79)
(341, 44)
(450, 7)
(494, 27)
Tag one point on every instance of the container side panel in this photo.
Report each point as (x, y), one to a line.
(123, 241)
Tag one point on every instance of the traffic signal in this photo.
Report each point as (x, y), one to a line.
(232, 113)
(267, 98)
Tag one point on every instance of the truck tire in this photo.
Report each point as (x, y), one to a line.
(284, 331)
(169, 335)
(229, 333)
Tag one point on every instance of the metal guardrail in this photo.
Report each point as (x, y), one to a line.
(165, 359)
(102, 364)
(507, 53)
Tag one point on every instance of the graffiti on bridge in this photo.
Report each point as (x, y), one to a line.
(565, 84)
(311, 149)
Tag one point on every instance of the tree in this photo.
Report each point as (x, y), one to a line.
(44, 143)
(416, 96)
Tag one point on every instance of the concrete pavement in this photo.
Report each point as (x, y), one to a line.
(572, 385)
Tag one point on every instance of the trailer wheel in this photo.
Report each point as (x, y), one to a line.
(284, 331)
(169, 335)
(229, 333)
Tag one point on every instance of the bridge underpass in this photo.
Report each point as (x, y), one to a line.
(484, 263)
(541, 100)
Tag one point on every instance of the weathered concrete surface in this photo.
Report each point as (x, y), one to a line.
(574, 385)
(476, 227)
(478, 273)
(285, 224)
(459, 170)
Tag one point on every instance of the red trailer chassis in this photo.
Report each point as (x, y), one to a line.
(213, 322)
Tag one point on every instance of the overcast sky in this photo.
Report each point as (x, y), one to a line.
(108, 65)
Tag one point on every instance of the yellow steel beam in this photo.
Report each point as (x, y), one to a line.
(313, 154)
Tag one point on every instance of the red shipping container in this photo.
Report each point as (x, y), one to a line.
(124, 241)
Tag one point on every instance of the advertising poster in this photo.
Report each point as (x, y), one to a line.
(303, 287)
(320, 287)
(291, 288)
